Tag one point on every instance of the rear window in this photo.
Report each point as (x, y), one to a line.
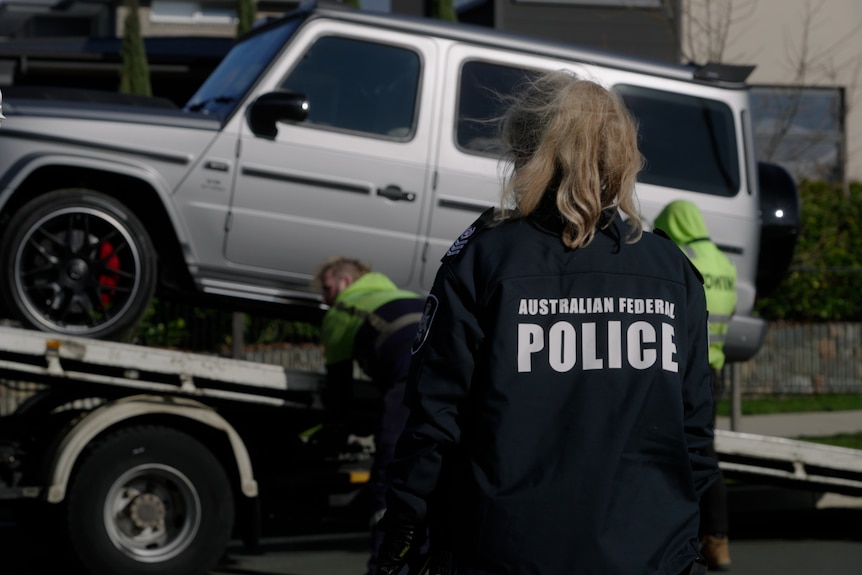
(688, 142)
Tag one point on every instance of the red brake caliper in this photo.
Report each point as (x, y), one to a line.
(107, 279)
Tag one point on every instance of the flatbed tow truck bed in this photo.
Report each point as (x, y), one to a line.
(789, 462)
(39, 357)
(159, 416)
(133, 455)
(35, 356)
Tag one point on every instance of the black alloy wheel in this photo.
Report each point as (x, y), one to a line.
(81, 264)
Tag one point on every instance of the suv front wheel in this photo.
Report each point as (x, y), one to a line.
(77, 262)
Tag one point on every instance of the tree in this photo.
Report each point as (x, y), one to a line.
(246, 13)
(707, 26)
(135, 72)
(442, 9)
(811, 64)
(810, 59)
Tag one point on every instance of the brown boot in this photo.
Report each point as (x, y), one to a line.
(716, 551)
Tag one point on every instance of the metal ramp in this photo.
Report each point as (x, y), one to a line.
(70, 361)
(789, 462)
(30, 355)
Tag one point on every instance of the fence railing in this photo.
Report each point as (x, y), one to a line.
(803, 359)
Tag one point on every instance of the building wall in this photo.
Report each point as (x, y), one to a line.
(643, 32)
(150, 28)
(772, 34)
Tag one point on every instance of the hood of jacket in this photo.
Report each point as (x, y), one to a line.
(369, 282)
(683, 222)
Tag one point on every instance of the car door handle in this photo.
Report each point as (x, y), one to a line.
(395, 193)
(217, 166)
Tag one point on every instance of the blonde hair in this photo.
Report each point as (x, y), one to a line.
(575, 139)
(340, 267)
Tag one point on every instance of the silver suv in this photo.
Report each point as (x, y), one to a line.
(335, 131)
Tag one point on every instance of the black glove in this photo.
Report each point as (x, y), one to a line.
(400, 545)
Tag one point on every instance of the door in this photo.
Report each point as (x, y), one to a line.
(480, 82)
(349, 180)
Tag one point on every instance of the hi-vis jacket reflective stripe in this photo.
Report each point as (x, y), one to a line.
(560, 405)
(373, 322)
(353, 307)
(683, 222)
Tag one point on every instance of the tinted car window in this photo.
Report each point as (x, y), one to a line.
(688, 142)
(240, 68)
(482, 96)
(358, 86)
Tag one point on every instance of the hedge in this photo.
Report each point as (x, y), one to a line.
(824, 282)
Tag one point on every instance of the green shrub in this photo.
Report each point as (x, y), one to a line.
(135, 71)
(825, 277)
(246, 12)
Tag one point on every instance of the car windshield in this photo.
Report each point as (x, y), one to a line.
(241, 67)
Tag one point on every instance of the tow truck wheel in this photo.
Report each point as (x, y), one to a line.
(149, 500)
(77, 262)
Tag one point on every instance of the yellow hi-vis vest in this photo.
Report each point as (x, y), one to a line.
(719, 283)
(682, 221)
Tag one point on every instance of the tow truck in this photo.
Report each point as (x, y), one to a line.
(131, 458)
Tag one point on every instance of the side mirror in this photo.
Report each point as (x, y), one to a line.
(744, 338)
(273, 107)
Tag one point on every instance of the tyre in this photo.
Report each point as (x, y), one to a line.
(149, 500)
(77, 262)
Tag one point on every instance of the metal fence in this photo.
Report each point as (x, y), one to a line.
(803, 359)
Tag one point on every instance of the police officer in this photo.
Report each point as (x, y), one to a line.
(559, 389)
(372, 322)
(683, 223)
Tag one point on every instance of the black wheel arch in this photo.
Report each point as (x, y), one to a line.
(247, 518)
(215, 440)
(172, 437)
(135, 193)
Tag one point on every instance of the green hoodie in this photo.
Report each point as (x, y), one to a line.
(683, 222)
(340, 326)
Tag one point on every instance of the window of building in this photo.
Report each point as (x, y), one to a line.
(359, 86)
(601, 3)
(801, 129)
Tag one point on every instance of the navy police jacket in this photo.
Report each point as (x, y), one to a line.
(560, 405)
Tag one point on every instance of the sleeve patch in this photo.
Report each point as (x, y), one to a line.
(462, 240)
(484, 220)
(424, 327)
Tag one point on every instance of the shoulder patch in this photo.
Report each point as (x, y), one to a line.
(468, 234)
(424, 327)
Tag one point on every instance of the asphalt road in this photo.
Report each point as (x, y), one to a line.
(781, 533)
(774, 533)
